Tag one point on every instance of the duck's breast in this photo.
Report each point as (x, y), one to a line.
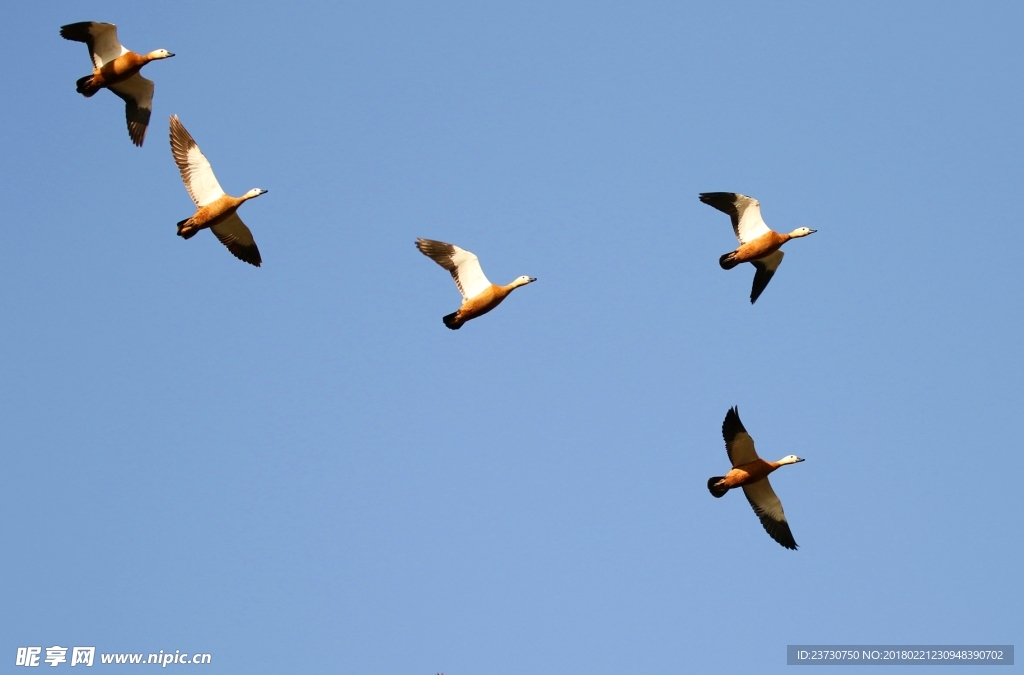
(122, 67)
(764, 245)
(484, 302)
(216, 212)
(745, 474)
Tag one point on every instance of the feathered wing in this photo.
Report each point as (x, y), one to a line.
(234, 234)
(766, 267)
(768, 508)
(101, 38)
(463, 265)
(196, 172)
(738, 442)
(744, 211)
(137, 94)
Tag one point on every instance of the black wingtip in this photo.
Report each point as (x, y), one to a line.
(723, 201)
(790, 544)
(732, 424)
(78, 32)
(779, 531)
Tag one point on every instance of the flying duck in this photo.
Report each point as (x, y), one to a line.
(117, 69)
(759, 245)
(214, 209)
(479, 295)
(751, 473)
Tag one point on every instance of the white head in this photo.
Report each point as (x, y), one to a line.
(521, 281)
(789, 459)
(801, 232)
(253, 193)
(159, 54)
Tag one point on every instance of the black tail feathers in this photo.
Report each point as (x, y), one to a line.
(186, 235)
(451, 321)
(713, 487)
(84, 86)
(728, 261)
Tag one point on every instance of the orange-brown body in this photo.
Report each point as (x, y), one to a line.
(118, 70)
(766, 244)
(745, 474)
(213, 214)
(481, 304)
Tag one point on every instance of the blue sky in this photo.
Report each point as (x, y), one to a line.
(299, 469)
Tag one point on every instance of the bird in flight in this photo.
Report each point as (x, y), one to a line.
(479, 295)
(214, 209)
(117, 69)
(759, 245)
(750, 472)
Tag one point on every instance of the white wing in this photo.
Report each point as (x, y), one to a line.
(101, 38)
(469, 276)
(196, 172)
(463, 265)
(751, 225)
(768, 508)
(738, 443)
(744, 211)
(105, 46)
(137, 94)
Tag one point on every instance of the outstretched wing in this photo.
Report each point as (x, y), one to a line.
(769, 509)
(766, 267)
(233, 233)
(463, 265)
(101, 38)
(196, 172)
(744, 211)
(137, 94)
(738, 442)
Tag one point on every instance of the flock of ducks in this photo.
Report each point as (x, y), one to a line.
(118, 69)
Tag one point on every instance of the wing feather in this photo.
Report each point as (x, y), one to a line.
(768, 508)
(234, 234)
(738, 443)
(463, 265)
(744, 211)
(101, 38)
(196, 172)
(766, 267)
(137, 94)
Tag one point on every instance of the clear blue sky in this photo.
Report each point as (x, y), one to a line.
(299, 469)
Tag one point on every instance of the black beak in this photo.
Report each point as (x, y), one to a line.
(169, 54)
(533, 278)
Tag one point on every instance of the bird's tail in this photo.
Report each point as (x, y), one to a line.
(452, 321)
(183, 233)
(84, 86)
(714, 488)
(728, 261)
